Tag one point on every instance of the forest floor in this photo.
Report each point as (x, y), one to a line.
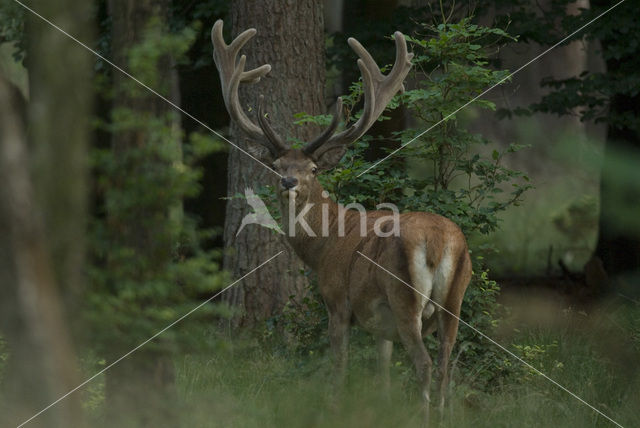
(593, 354)
(253, 381)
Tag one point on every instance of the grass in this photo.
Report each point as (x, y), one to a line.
(259, 381)
(247, 383)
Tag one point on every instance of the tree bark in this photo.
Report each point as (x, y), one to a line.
(42, 216)
(42, 364)
(60, 87)
(290, 38)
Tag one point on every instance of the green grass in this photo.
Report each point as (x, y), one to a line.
(247, 384)
(250, 381)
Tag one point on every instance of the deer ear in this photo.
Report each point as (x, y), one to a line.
(330, 157)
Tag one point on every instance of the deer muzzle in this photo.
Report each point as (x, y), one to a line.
(289, 182)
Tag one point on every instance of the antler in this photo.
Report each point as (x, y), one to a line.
(231, 75)
(378, 91)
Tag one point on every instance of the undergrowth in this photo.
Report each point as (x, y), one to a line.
(255, 380)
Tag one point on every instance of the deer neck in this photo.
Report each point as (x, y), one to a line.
(320, 215)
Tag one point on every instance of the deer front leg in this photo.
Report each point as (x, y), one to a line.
(339, 321)
(385, 349)
(410, 330)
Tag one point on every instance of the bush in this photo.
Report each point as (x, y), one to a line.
(147, 265)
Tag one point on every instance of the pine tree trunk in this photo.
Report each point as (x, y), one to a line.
(290, 38)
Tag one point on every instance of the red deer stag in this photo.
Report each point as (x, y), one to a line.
(423, 249)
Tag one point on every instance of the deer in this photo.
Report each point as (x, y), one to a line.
(428, 252)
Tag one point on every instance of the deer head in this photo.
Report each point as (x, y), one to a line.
(299, 167)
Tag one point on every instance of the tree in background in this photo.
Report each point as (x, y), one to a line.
(147, 267)
(290, 38)
(137, 232)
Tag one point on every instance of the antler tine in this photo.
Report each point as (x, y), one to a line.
(378, 90)
(272, 137)
(313, 145)
(232, 73)
(365, 57)
(369, 91)
(402, 57)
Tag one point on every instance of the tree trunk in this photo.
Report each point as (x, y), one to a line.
(290, 38)
(618, 244)
(140, 390)
(60, 101)
(42, 364)
(43, 210)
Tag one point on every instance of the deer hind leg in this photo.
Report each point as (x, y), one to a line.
(410, 324)
(385, 349)
(447, 331)
(448, 325)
